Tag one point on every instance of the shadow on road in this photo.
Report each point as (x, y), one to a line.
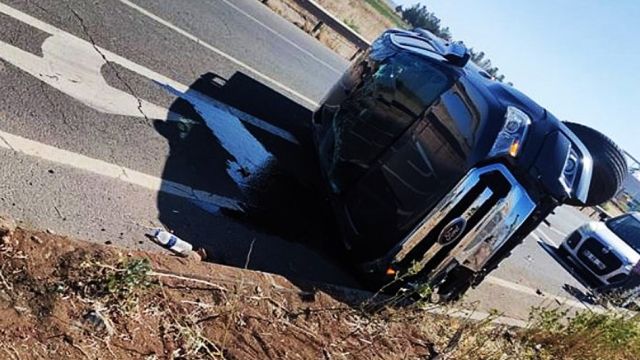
(580, 295)
(583, 297)
(247, 144)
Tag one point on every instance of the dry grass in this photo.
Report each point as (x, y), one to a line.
(383, 9)
(371, 17)
(368, 18)
(307, 23)
(587, 335)
(66, 299)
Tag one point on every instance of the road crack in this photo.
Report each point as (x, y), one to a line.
(46, 11)
(109, 63)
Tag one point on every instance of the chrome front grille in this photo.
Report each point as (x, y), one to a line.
(487, 207)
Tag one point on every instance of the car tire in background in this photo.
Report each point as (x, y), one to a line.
(609, 165)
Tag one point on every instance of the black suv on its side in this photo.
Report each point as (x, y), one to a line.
(437, 172)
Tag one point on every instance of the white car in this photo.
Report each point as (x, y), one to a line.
(605, 252)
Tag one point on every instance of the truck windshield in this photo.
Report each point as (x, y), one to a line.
(627, 227)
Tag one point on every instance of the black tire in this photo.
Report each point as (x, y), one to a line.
(609, 165)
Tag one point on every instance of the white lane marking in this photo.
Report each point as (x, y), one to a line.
(247, 118)
(536, 237)
(532, 292)
(220, 52)
(72, 66)
(560, 233)
(545, 238)
(287, 40)
(64, 157)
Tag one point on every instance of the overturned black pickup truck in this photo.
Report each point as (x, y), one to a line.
(437, 171)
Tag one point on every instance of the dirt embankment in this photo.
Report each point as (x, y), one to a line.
(360, 15)
(357, 14)
(66, 299)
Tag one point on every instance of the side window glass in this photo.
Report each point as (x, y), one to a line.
(410, 83)
(460, 114)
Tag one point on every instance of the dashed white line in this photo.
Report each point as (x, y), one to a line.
(220, 52)
(560, 233)
(545, 238)
(287, 40)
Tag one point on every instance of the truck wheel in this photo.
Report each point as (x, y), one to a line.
(609, 165)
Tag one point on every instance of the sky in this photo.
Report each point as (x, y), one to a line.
(580, 59)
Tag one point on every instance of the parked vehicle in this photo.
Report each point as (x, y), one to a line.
(436, 171)
(605, 253)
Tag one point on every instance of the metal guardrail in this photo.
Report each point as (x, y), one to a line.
(325, 18)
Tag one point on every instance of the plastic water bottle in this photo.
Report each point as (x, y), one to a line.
(171, 242)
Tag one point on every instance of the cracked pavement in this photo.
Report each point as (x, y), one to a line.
(103, 209)
(107, 62)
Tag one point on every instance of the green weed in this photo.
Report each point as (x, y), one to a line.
(585, 335)
(133, 275)
(352, 25)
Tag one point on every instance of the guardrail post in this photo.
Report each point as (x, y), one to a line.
(325, 18)
(317, 28)
(356, 54)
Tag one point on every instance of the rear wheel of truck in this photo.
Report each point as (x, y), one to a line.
(609, 165)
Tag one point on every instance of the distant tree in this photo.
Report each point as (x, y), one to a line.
(487, 66)
(479, 59)
(445, 33)
(419, 16)
(416, 15)
(476, 57)
(399, 9)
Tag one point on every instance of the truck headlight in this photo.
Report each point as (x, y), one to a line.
(512, 134)
(570, 171)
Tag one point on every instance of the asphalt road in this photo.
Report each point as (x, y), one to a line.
(104, 133)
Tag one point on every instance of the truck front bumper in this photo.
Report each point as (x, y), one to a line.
(467, 227)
